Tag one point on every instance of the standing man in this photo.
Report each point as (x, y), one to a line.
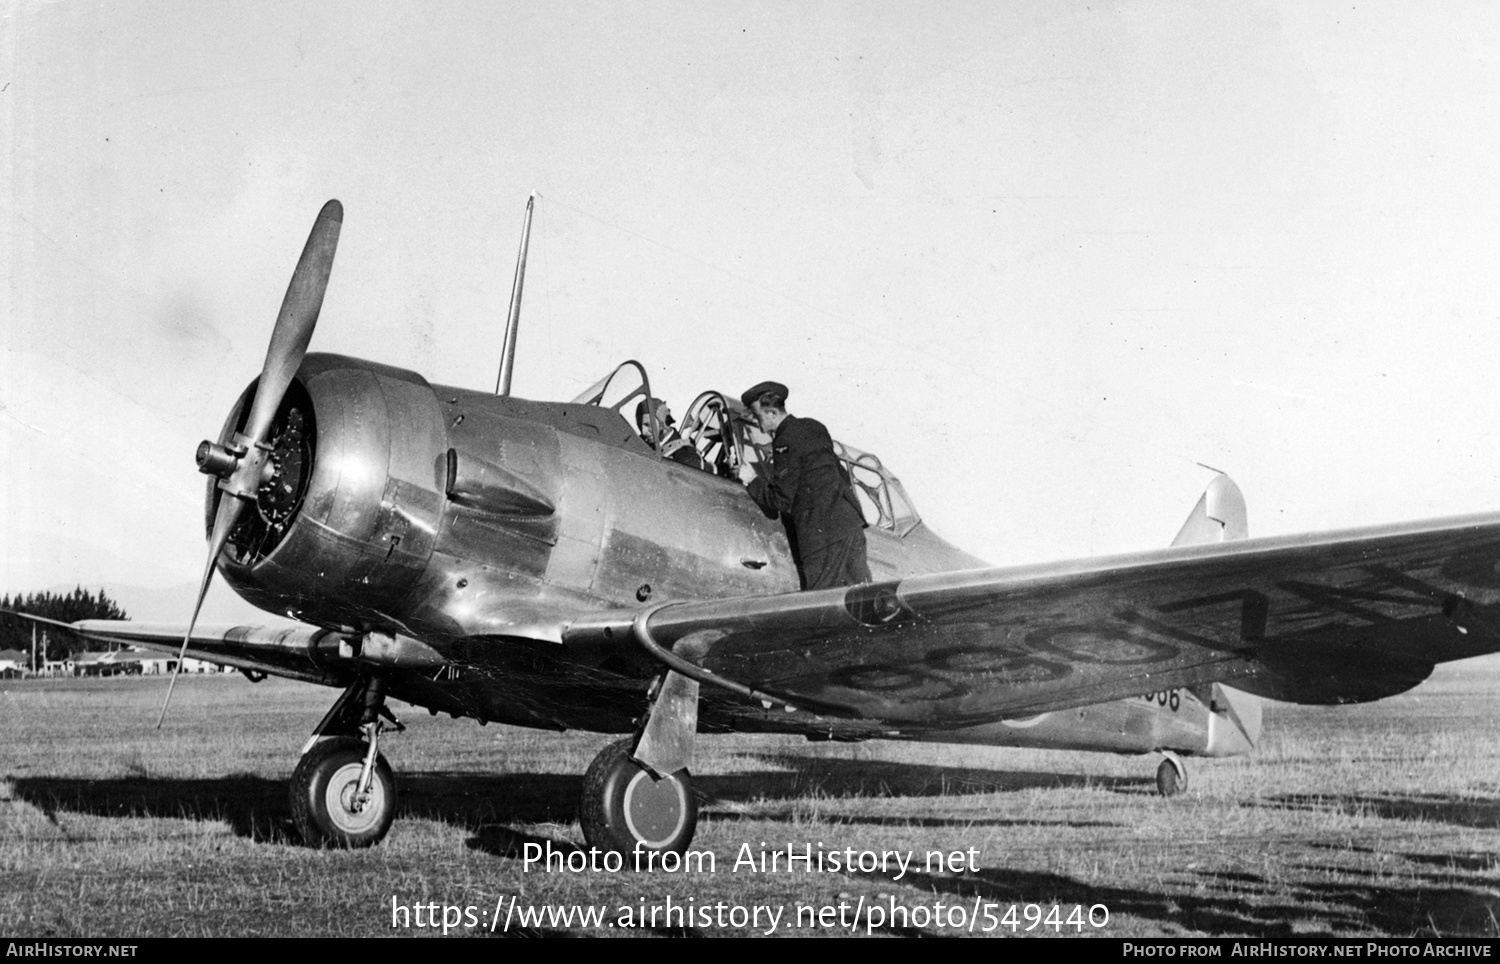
(808, 488)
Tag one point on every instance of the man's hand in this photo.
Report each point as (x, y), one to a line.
(747, 473)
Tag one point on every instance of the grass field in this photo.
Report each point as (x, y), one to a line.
(1373, 820)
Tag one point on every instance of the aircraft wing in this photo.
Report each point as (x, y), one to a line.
(1329, 618)
(273, 650)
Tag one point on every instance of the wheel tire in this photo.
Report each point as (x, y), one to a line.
(624, 805)
(322, 790)
(1169, 781)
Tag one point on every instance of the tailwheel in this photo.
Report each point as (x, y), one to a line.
(334, 802)
(626, 807)
(1171, 776)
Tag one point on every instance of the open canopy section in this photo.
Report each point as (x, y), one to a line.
(718, 434)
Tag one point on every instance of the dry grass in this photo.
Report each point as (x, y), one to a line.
(1373, 820)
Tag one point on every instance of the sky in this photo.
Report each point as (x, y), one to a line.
(1053, 262)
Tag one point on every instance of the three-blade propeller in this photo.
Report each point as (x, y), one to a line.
(242, 466)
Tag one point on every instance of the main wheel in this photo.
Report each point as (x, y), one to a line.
(624, 806)
(326, 804)
(1171, 778)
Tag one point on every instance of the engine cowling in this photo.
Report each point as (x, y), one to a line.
(351, 497)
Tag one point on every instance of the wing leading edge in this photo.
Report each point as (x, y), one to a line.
(297, 652)
(1329, 618)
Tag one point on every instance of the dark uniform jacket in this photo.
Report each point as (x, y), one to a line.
(807, 486)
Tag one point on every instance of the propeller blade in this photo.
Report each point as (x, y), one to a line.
(289, 340)
(229, 513)
(299, 315)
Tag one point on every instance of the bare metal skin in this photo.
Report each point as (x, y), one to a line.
(537, 563)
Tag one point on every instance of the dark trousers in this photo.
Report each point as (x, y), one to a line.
(840, 563)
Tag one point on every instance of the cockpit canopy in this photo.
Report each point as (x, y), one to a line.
(717, 434)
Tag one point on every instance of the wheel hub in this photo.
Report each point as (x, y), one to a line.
(354, 810)
(654, 809)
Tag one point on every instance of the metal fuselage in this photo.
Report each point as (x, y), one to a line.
(472, 528)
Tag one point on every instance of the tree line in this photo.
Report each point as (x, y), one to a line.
(15, 632)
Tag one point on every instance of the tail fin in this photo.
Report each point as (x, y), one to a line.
(1234, 716)
(1219, 515)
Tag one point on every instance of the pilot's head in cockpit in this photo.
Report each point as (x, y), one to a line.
(664, 419)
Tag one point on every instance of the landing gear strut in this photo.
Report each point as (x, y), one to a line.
(343, 793)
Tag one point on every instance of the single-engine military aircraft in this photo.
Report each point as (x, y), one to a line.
(541, 564)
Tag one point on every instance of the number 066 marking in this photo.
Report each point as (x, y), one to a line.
(1167, 698)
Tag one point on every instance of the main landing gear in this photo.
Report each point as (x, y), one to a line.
(343, 793)
(340, 797)
(625, 806)
(638, 794)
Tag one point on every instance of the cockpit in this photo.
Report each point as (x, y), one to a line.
(717, 435)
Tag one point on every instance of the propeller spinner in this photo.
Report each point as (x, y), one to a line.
(243, 465)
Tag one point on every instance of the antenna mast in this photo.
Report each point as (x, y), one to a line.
(513, 320)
